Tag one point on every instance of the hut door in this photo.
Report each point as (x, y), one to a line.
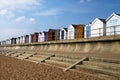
(53, 35)
(88, 33)
(62, 35)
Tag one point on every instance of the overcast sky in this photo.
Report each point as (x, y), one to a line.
(21, 17)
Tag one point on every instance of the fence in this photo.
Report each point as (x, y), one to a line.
(99, 32)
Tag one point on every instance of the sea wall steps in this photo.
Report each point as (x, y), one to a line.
(107, 68)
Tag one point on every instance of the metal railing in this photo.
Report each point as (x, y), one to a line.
(99, 32)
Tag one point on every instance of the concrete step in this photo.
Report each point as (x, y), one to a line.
(116, 61)
(68, 56)
(22, 57)
(9, 54)
(14, 54)
(26, 54)
(99, 75)
(90, 67)
(40, 56)
(44, 53)
(111, 66)
(58, 63)
(30, 60)
(17, 54)
(64, 59)
(97, 70)
(5, 51)
(34, 58)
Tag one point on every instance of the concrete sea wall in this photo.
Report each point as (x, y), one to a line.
(91, 45)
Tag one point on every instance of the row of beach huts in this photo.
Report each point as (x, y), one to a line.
(99, 27)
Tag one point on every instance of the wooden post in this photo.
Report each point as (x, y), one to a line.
(19, 54)
(73, 65)
(45, 59)
(29, 56)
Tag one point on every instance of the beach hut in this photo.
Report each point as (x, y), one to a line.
(57, 34)
(18, 40)
(87, 30)
(13, 41)
(26, 38)
(75, 31)
(3, 43)
(63, 33)
(21, 40)
(31, 38)
(35, 37)
(8, 42)
(43, 36)
(113, 24)
(51, 34)
(98, 27)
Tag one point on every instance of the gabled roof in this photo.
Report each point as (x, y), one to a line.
(113, 14)
(51, 29)
(75, 26)
(117, 14)
(31, 34)
(13, 38)
(81, 24)
(35, 32)
(89, 24)
(66, 29)
(26, 35)
(103, 20)
(57, 29)
(44, 32)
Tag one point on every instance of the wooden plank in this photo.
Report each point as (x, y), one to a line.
(10, 54)
(78, 62)
(43, 60)
(3, 52)
(29, 56)
(19, 54)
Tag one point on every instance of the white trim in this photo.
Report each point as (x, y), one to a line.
(113, 14)
(95, 21)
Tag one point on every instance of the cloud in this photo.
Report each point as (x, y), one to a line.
(83, 1)
(50, 12)
(31, 20)
(19, 4)
(21, 18)
(3, 12)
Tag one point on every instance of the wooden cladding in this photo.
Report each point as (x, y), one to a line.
(35, 37)
(79, 32)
